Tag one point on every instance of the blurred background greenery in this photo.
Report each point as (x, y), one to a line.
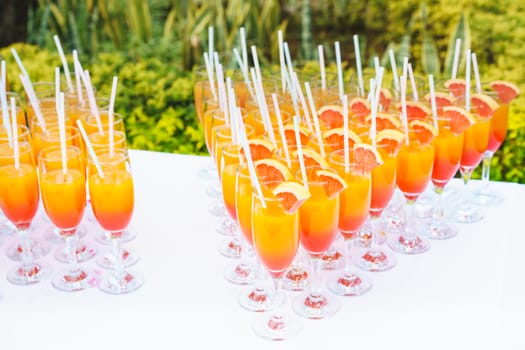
(155, 45)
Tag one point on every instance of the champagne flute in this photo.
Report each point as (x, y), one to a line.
(63, 187)
(112, 198)
(19, 198)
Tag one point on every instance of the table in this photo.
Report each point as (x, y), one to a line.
(464, 292)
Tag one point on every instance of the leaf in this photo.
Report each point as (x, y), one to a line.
(429, 56)
(461, 31)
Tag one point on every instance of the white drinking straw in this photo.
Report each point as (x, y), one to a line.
(244, 49)
(300, 151)
(281, 59)
(358, 65)
(256, 64)
(455, 62)
(375, 104)
(20, 64)
(231, 107)
(78, 71)
(244, 72)
(249, 159)
(467, 82)
(346, 146)
(315, 118)
(281, 130)
(395, 76)
(92, 102)
(433, 100)
(57, 88)
(476, 73)
(263, 107)
(5, 110)
(64, 61)
(322, 66)
(111, 118)
(14, 140)
(302, 100)
(209, 70)
(372, 90)
(289, 71)
(404, 118)
(90, 149)
(33, 101)
(339, 69)
(376, 65)
(62, 131)
(413, 82)
(405, 67)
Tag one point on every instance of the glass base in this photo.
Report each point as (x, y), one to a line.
(217, 208)
(333, 258)
(38, 250)
(487, 197)
(226, 226)
(129, 234)
(440, 230)
(257, 299)
(84, 253)
(376, 260)
(107, 260)
(230, 248)
(240, 274)
(124, 283)
(23, 277)
(213, 190)
(400, 244)
(276, 328)
(350, 284)
(67, 282)
(52, 234)
(468, 215)
(296, 278)
(322, 305)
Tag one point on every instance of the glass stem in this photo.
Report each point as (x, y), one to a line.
(485, 174)
(374, 231)
(465, 175)
(117, 253)
(277, 315)
(25, 243)
(439, 210)
(315, 287)
(410, 229)
(244, 253)
(349, 243)
(71, 247)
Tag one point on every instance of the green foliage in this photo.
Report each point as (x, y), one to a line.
(155, 100)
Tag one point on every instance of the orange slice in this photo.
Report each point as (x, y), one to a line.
(333, 184)
(291, 194)
(260, 149)
(335, 138)
(331, 116)
(442, 99)
(425, 132)
(385, 99)
(312, 159)
(459, 119)
(456, 87)
(391, 139)
(366, 157)
(385, 121)
(289, 133)
(415, 110)
(484, 104)
(359, 107)
(506, 91)
(272, 170)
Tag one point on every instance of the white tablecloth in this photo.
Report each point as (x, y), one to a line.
(464, 292)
